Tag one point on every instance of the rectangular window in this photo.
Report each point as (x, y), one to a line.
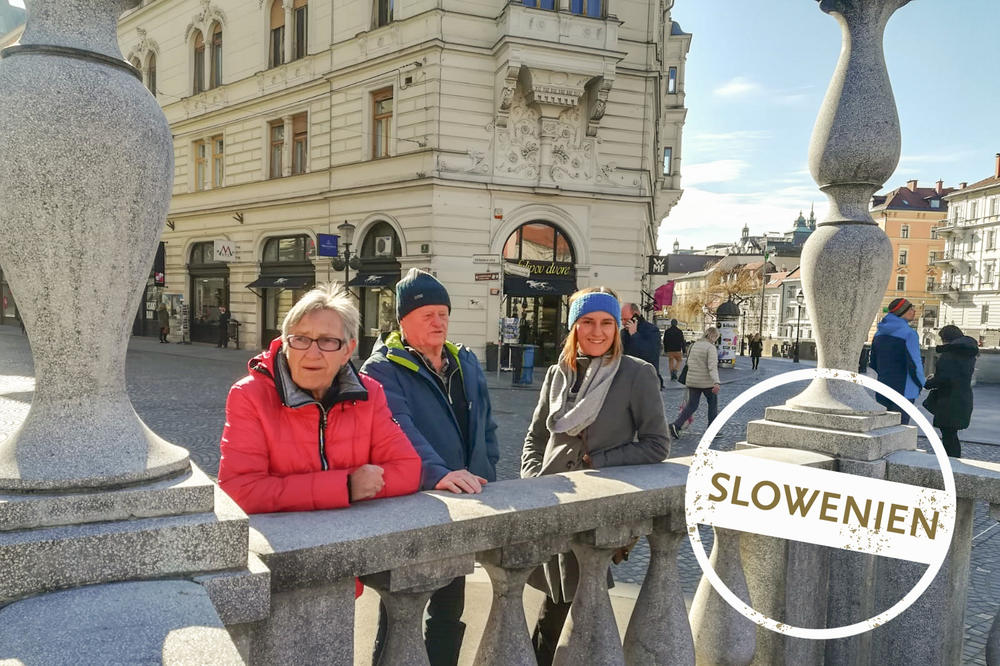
(381, 122)
(301, 24)
(667, 161)
(300, 137)
(901, 283)
(383, 12)
(199, 68)
(904, 231)
(932, 257)
(540, 4)
(216, 68)
(973, 209)
(988, 275)
(671, 80)
(218, 161)
(903, 254)
(200, 165)
(930, 284)
(277, 138)
(984, 317)
(592, 8)
(935, 203)
(277, 46)
(991, 240)
(995, 206)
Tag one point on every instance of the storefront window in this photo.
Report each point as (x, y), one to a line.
(375, 284)
(286, 275)
(209, 291)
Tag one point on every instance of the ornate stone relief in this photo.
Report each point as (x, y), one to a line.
(506, 97)
(572, 153)
(517, 143)
(143, 47)
(600, 90)
(204, 19)
(474, 161)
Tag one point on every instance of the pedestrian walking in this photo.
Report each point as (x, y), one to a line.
(224, 319)
(437, 392)
(950, 398)
(640, 338)
(702, 379)
(756, 349)
(673, 345)
(597, 408)
(163, 320)
(895, 355)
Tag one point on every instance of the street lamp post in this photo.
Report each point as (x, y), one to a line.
(799, 300)
(763, 284)
(346, 261)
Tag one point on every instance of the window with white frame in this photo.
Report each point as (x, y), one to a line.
(671, 80)
(300, 142)
(218, 161)
(904, 231)
(276, 142)
(991, 240)
(903, 255)
(381, 122)
(201, 149)
(384, 10)
(901, 283)
(984, 315)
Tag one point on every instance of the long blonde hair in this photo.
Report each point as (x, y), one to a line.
(567, 358)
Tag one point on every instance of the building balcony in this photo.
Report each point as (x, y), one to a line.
(523, 21)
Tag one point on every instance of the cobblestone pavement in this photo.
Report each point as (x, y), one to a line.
(180, 392)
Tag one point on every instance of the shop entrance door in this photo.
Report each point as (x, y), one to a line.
(543, 323)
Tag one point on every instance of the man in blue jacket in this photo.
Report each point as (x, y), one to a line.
(437, 392)
(895, 355)
(640, 338)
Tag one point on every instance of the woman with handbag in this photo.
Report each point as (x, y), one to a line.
(597, 408)
(702, 379)
(950, 399)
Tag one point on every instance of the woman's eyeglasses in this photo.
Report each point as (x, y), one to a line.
(304, 342)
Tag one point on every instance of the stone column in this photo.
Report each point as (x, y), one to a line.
(847, 261)
(78, 244)
(659, 632)
(721, 634)
(287, 5)
(506, 639)
(286, 147)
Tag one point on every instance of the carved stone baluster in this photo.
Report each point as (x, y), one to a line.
(506, 639)
(855, 148)
(590, 635)
(405, 593)
(721, 634)
(659, 632)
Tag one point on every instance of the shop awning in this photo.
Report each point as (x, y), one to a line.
(277, 282)
(381, 279)
(538, 285)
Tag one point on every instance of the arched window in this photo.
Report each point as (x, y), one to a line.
(199, 62)
(300, 19)
(215, 79)
(538, 241)
(135, 63)
(151, 73)
(276, 52)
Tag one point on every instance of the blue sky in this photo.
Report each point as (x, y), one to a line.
(756, 75)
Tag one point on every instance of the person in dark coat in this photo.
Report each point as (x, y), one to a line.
(756, 348)
(163, 319)
(224, 317)
(640, 338)
(674, 346)
(950, 399)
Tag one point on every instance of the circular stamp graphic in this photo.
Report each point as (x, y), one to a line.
(755, 495)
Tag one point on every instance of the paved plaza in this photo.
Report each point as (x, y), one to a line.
(180, 392)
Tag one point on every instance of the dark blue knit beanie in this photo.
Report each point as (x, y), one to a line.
(417, 289)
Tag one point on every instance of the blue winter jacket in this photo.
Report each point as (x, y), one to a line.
(895, 356)
(645, 344)
(418, 402)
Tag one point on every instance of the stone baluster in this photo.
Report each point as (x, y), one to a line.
(506, 639)
(590, 635)
(855, 147)
(405, 593)
(993, 641)
(659, 632)
(721, 634)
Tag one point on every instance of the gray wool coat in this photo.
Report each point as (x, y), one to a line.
(630, 429)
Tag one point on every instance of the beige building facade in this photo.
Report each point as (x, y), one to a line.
(439, 130)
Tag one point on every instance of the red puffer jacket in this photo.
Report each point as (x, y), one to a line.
(284, 451)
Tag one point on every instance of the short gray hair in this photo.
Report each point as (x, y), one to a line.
(333, 296)
(711, 334)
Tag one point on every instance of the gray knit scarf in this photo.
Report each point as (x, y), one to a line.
(574, 419)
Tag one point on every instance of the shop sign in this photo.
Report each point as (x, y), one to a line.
(511, 327)
(515, 269)
(224, 250)
(486, 258)
(485, 277)
(657, 265)
(328, 245)
(729, 341)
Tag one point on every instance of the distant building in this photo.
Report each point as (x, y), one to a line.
(784, 245)
(908, 216)
(969, 261)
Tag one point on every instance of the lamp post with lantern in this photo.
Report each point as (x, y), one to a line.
(799, 300)
(345, 262)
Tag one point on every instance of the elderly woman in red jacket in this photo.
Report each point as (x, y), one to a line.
(304, 430)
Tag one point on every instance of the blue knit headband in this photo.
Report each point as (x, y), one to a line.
(595, 301)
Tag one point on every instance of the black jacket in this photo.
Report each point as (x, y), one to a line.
(673, 339)
(645, 344)
(950, 399)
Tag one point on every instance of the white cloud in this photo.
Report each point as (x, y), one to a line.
(719, 171)
(737, 87)
(702, 217)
